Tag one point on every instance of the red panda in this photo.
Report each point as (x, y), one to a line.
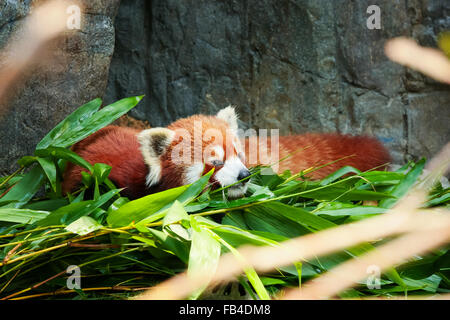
(324, 149)
(156, 159)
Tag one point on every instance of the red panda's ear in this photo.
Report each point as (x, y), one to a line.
(229, 115)
(154, 143)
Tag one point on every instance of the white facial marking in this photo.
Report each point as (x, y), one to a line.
(237, 192)
(229, 115)
(153, 143)
(193, 173)
(229, 175)
(154, 173)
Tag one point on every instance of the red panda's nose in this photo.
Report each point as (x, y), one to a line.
(244, 173)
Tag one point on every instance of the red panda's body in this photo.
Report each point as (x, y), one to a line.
(316, 149)
(117, 147)
(148, 161)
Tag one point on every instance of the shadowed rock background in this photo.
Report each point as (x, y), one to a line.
(296, 65)
(78, 73)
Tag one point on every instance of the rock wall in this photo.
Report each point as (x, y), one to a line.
(77, 74)
(297, 65)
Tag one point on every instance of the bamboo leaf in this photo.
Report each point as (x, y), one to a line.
(25, 189)
(189, 193)
(26, 216)
(344, 209)
(137, 210)
(50, 170)
(299, 215)
(338, 174)
(405, 185)
(252, 276)
(84, 225)
(203, 257)
(175, 214)
(444, 42)
(70, 123)
(68, 214)
(177, 247)
(63, 153)
(85, 121)
(101, 172)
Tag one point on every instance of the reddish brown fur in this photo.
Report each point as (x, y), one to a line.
(119, 148)
(365, 153)
(207, 122)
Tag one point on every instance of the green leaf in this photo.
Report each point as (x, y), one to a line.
(196, 206)
(25, 189)
(299, 266)
(338, 174)
(176, 221)
(250, 272)
(187, 196)
(346, 209)
(26, 216)
(261, 218)
(299, 215)
(236, 202)
(177, 247)
(63, 153)
(139, 209)
(117, 204)
(378, 176)
(87, 178)
(26, 161)
(444, 42)
(84, 225)
(404, 186)
(70, 124)
(47, 205)
(86, 121)
(101, 172)
(445, 198)
(268, 281)
(234, 235)
(68, 214)
(332, 192)
(309, 220)
(50, 170)
(175, 214)
(203, 257)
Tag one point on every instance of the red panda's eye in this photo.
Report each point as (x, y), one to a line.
(217, 163)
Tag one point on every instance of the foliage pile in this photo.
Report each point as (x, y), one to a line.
(123, 246)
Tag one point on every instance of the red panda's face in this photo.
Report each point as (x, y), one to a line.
(191, 147)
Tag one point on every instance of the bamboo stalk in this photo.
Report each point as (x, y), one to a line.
(11, 176)
(68, 291)
(64, 271)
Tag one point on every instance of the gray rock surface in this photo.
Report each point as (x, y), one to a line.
(297, 65)
(78, 73)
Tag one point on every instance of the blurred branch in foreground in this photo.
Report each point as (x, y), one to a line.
(45, 23)
(431, 62)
